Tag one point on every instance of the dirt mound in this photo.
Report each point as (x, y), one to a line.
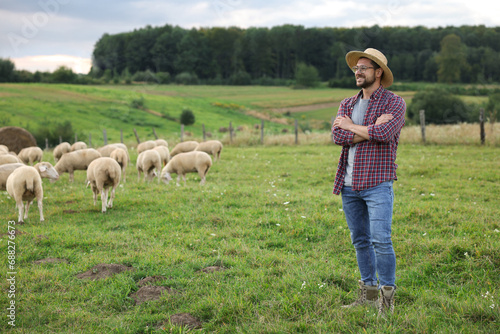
(101, 271)
(183, 320)
(16, 138)
(212, 269)
(150, 292)
(150, 280)
(51, 260)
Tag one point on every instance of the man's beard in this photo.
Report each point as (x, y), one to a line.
(367, 82)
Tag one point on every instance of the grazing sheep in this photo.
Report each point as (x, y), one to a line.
(121, 156)
(25, 184)
(29, 155)
(161, 142)
(164, 154)
(45, 169)
(147, 145)
(8, 159)
(213, 147)
(107, 149)
(148, 162)
(77, 160)
(4, 148)
(185, 146)
(104, 173)
(60, 149)
(79, 145)
(189, 162)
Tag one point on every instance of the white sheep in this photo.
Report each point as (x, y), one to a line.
(121, 156)
(189, 162)
(60, 149)
(8, 159)
(161, 142)
(185, 146)
(25, 184)
(77, 160)
(29, 155)
(213, 147)
(148, 162)
(4, 148)
(45, 169)
(104, 173)
(79, 145)
(107, 149)
(164, 154)
(147, 145)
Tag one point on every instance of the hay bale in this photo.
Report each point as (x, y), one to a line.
(16, 138)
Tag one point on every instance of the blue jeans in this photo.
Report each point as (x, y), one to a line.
(369, 217)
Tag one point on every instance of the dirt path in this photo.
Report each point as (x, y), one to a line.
(310, 107)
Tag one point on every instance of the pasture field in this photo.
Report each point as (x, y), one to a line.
(268, 219)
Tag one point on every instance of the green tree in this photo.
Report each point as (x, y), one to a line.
(451, 59)
(306, 76)
(187, 117)
(64, 74)
(6, 70)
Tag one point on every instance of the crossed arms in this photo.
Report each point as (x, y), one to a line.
(360, 131)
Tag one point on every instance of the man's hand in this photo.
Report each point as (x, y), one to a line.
(384, 118)
(342, 122)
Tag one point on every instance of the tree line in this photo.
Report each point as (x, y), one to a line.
(467, 54)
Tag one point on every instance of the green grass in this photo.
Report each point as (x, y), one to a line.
(267, 215)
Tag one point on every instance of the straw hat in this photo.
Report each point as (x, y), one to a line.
(375, 55)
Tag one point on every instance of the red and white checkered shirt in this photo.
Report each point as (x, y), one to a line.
(374, 162)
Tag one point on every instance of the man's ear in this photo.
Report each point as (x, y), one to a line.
(379, 72)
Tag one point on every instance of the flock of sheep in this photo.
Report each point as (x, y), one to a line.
(106, 167)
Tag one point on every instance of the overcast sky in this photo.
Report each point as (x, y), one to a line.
(45, 34)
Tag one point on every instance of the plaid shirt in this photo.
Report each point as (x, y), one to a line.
(374, 162)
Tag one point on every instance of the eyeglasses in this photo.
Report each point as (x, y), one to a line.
(361, 69)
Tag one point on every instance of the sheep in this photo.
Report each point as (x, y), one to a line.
(60, 149)
(186, 146)
(164, 154)
(213, 147)
(147, 145)
(77, 160)
(4, 148)
(121, 156)
(107, 149)
(161, 142)
(45, 169)
(8, 159)
(188, 162)
(29, 155)
(79, 145)
(104, 173)
(148, 162)
(25, 184)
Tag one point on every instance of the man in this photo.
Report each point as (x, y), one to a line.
(367, 127)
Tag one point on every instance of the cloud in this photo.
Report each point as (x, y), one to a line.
(51, 63)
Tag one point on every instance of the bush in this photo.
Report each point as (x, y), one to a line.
(240, 78)
(307, 76)
(441, 107)
(187, 117)
(145, 76)
(52, 131)
(186, 78)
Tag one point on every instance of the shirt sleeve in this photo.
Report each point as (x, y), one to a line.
(388, 131)
(340, 136)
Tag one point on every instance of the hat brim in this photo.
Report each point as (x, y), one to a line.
(353, 57)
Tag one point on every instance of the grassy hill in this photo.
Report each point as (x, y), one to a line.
(91, 109)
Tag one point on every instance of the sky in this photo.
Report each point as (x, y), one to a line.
(46, 34)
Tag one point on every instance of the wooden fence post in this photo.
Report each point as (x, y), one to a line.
(262, 132)
(137, 137)
(231, 132)
(46, 144)
(204, 133)
(422, 124)
(154, 132)
(296, 131)
(481, 125)
(60, 139)
(105, 136)
(121, 135)
(76, 137)
(182, 133)
(90, 139)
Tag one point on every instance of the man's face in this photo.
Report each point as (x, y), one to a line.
(366, 79)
